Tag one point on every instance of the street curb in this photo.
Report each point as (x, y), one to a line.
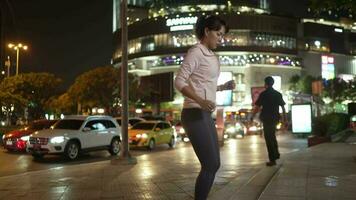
(247, 188)
(269, 183)
(341, 136)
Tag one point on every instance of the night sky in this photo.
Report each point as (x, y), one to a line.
(66, 37)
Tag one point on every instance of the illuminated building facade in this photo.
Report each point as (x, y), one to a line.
(259, 43)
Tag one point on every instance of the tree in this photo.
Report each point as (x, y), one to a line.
(301, 84)
(100, 87)
(335, 90)
(62, 104)
(11, 104)
(293, 82)
(350, 91)
(35, 88)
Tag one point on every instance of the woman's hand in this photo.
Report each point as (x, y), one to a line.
(207, 105)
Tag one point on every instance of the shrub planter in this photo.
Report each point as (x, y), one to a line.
(315, 140)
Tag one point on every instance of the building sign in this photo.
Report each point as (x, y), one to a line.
(182, 23)
(301, 118)
(224, 98)
(327, 67)
(277, 83)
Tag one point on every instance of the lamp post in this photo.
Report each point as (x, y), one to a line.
(17, 48)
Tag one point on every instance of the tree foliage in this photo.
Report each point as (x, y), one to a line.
(62, 104)
(339, 90)
(35, 88)
(300, 84)
(100, 87)
(95, 87)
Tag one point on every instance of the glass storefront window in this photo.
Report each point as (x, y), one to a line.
(233, 38)
(233, 60)
(317, 45)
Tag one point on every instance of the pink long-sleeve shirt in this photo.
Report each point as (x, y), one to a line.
(200, 70)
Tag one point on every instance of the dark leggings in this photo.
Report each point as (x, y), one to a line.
(200, 127)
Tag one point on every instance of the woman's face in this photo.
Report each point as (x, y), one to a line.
(213, 38)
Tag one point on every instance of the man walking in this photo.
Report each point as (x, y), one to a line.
(270, 100)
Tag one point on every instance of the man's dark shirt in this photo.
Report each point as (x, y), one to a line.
(270, 100)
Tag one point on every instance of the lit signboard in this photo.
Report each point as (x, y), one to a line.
(327, 67)
(224, 98)
(277, 83)
(301, 118)
(183, 23)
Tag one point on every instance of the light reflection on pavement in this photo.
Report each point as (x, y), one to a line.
(250, 150)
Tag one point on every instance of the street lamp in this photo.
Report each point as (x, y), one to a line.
(17, 48)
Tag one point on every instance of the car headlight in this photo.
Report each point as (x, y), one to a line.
(57, 140)
(25, 138)
(238, 126)
(181, 130)
(279, 126)
(143, 135)
(230, 130)
(253, 128)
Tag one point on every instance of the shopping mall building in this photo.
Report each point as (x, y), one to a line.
(260, 43)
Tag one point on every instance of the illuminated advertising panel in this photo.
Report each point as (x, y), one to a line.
(277, 83)
(327, 67)
(224, 98)
(301, 118)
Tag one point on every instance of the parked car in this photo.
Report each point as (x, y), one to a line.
(151, 133)
(75, 134)
(234, 129)
(132, 121)
(16, 140)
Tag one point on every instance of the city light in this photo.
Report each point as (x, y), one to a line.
(17, 47)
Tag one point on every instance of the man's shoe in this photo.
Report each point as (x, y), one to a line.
(271, 163)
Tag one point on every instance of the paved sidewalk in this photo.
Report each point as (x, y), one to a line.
(326, 171)
(160, 175)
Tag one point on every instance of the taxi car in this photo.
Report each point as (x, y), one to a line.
(151, 133)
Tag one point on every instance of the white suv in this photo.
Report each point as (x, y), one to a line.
(75, 134)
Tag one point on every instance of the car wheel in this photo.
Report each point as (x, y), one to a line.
(172, 142)
(151, 144)
(115, 146)
(71, 152)
(37, 156)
